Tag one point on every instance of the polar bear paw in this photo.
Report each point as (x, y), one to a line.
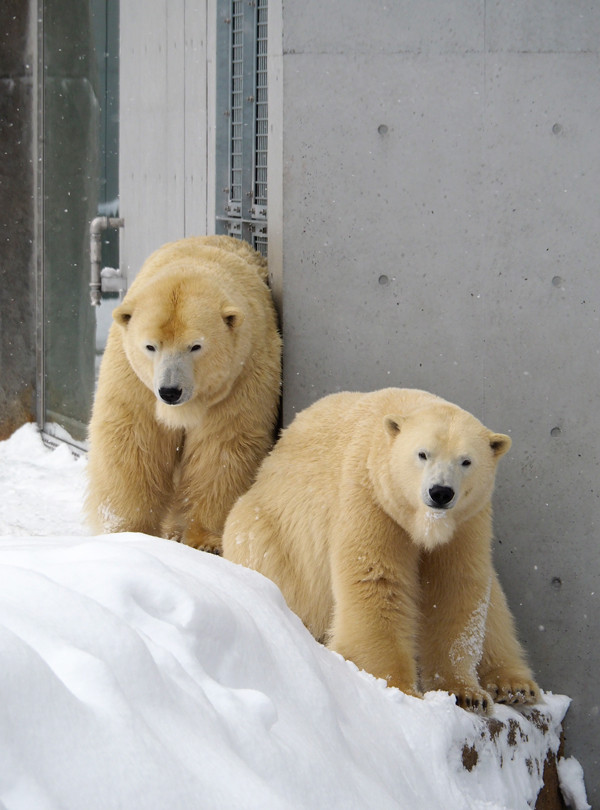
(203, 540)
(473, 699)
(513, 689)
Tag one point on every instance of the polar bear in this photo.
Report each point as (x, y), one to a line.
(187, 395)
(373, 516)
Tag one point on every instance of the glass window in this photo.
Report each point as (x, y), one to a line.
(78, 117)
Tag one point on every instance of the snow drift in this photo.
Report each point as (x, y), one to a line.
(138, 673)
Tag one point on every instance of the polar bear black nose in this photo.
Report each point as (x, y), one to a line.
(170, 395)
(440, 495)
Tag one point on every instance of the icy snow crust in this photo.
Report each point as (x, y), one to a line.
(139, 673)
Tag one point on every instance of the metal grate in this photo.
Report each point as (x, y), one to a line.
(260, 242)
(242, 129)
(261, 113)
(237, 106)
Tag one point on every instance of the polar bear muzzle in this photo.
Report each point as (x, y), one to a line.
(174, 377)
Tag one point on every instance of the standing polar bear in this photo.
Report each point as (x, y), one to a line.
(187, 395)
(373, 515)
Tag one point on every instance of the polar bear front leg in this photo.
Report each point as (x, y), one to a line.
(212, 475)
(503, 670)
(130, 472)
(456, 579)
(374, 574)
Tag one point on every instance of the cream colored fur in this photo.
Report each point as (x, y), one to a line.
(340, 517)
(198, 318)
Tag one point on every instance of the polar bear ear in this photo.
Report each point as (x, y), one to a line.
(500, 444)
(393, 424)
(232, 316)
(122, 314)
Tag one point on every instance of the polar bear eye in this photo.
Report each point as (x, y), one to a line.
(466, 462)
(423, 455)
(150, 347)
(196, 347)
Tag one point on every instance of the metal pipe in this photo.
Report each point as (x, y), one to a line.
(97, 227)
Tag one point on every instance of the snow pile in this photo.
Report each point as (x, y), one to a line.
(138, 673)
(570, 776)
(42, 490)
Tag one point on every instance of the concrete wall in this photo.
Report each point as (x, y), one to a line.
(433, 223)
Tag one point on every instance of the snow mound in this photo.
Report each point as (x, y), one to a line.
(141, 673)
(138, 673)
(42, 489)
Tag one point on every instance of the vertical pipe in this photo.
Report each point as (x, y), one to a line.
(97, 227)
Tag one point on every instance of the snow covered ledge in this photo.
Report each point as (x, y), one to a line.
(509, 734)
(141, 673)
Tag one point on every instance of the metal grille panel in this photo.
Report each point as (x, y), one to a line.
(242, 123)
(237, 106)
(261, 111)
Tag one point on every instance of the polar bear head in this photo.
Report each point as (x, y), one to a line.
(186, 341)
(441, 468)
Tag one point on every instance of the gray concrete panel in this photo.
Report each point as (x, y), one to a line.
(383, 26)
(439, 229)
(383, 205)
(542, 248)
(542, 26)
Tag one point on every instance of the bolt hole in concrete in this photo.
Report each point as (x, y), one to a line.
(382, 129)
(557, 129)
(383, 280)
(556, 431)
(558, 281)
(556, 583)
